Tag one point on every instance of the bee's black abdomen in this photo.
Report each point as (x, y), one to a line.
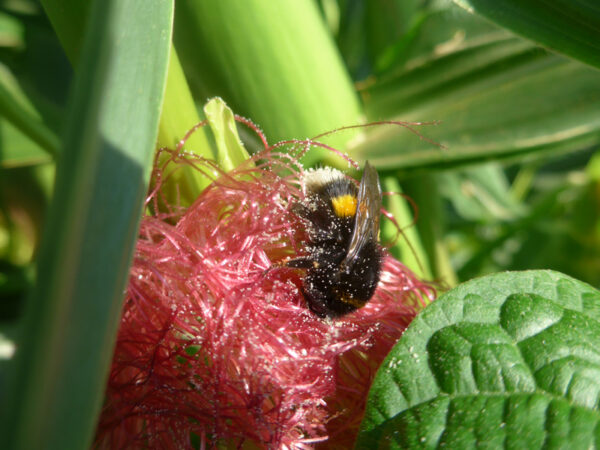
(331, 291)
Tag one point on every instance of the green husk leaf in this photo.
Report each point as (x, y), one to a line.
(231, 151)
(179, 115)
(271, 61)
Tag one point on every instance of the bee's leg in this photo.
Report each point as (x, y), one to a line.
(302, 262)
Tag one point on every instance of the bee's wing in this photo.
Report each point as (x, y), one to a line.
(366, 221)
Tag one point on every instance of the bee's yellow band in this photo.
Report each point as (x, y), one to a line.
(344, 205)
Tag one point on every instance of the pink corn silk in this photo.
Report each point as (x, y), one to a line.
(217, 342)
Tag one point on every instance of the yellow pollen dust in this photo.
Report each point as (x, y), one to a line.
(344, 205)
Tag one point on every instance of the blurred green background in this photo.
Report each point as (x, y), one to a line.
(512, 185)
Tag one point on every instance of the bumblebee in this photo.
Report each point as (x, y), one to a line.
(343, 258)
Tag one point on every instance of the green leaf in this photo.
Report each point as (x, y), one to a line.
(531, 114)
(65, 348)
(495, 97)
(16, 108)
(40, 93)
(408, 247)
(571, 27)
(17, 149)
(70, 20)
(271, 61)
(371, 35)
(451, 49)
(178, 117)
(431, 225)
(12, 32)
(511, 359)
(480, 193)
(231, 151)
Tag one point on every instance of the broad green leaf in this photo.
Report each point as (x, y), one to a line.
(571, 27)
(449, 50)
(440, 28)
(231, 151)
(525, 109)
(495, 97)
(511, 359)
(271, 61)
(66, 345)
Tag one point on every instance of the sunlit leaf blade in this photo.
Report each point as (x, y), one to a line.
(179, 114)
(571, 27)
(405, 243)
(438, 76)
(178, 117)
(508, 360)
(497, 96)
(527, 103)
(271, 61)
(73, 313)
